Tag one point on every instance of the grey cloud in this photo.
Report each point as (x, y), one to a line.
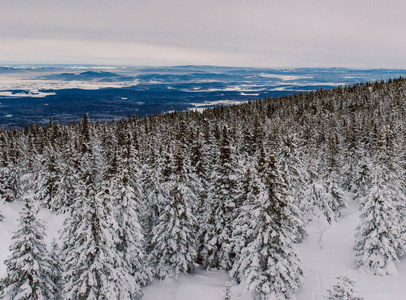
(264, 33)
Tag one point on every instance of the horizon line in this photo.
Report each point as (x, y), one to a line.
(8, 64)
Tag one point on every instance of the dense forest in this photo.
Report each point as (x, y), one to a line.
(228, 188)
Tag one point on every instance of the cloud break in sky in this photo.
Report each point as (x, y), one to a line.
(255, 33)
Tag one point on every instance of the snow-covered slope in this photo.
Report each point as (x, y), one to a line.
(201, 285)
(326, 252)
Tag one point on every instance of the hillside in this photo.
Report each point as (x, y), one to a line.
(281, 194)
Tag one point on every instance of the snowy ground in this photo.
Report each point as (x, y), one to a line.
(326, 253)
(201, 285)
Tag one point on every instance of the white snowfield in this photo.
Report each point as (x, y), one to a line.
(326, 252)
(34, 86)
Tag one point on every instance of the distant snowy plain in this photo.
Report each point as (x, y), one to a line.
(35, 94)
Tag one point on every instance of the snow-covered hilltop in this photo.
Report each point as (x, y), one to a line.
(300, 196)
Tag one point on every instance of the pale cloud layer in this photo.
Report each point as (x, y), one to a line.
(258, 33)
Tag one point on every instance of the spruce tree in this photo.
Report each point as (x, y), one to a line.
(126, 196)
(94, 267)
(51, 181)
(173, 240)
(252, 189)
(343, 290)
(202, 169)
(325, 194)
(153, 175)
(378, 237)
(338, 200)
(10, 181)
(362, 180)
(224, 195)
(294, 176)
(1, 204)
(326, 198)
(11, 173)
(55, 254)
(71, 168)
(30, 268)
(268, 259)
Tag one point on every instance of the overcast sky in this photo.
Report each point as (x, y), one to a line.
(255, 33)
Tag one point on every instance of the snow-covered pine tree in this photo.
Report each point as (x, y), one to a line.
(268, 261)
(325, 198)
(71, 168)
(30, 267)
(325, 193)
(1, 207)
(173, 240)
(29, 164)
(11, 173)
(203, 154)
(353, 152)
(10, 183)
(153, 175)
(338, 202)
(3, 177)
(294, 176)
(51, 192)
(128, 202)
(388, 161)
(378, 237)
(252, 189)
(293, 171)
(93, 266)
(224, 194)
(362, 180)
(343, 290)
(333, 178)
(200, 172)
(252, 138)
(55, 254)
(268, 170)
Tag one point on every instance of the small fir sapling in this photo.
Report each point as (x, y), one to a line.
(227, 292)
(343, 290)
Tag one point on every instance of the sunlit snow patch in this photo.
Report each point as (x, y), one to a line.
(33, 94)
(247, 94)
(197, 109)
(34, 86)
(218, 102)
(285, 77)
